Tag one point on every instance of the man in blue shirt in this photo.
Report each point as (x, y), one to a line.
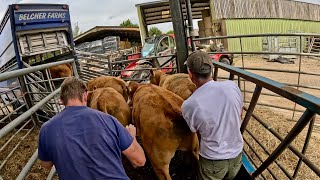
(83, 143)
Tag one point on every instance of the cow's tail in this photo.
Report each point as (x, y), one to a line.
(125, 90)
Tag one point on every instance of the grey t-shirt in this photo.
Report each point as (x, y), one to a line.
(214, 110)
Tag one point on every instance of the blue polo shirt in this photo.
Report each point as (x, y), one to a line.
(84, 143)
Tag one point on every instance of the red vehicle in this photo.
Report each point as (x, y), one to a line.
(224, 58)
(161, 46)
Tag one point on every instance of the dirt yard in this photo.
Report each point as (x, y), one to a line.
(307, 65)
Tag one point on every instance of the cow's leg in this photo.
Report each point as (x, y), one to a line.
(160, 157)
(162, 172)
(161, 166)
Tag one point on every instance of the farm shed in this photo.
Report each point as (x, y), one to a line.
(240, 17)
(99, 32)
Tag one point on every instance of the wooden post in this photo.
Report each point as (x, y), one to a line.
(142, 25)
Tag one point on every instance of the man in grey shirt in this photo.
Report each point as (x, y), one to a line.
(213, 111)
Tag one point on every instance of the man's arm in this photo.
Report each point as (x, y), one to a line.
(134, 152)
(46, 164)
(43, 156)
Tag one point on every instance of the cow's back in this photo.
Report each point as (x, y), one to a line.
(109, 81)
(62, 70)
(179, 84)
(110, 101)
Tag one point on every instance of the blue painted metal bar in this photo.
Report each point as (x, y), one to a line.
(246, 163)
(304, 99)
(305, 146)
(252, 105)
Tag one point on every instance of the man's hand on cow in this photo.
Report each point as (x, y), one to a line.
(132, 130)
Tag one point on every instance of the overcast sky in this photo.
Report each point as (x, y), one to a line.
(90, 13)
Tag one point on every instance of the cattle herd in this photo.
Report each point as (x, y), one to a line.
(155, 110)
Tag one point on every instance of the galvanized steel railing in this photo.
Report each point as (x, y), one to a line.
(46, 99)
(311, 103)
(105, 66)
(301, 39)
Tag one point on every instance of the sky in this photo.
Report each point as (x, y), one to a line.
(90, 13)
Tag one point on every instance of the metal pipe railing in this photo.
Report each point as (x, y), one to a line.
(268, 53)
(257, 35)
(28, 166)
(93, 65)
(303, 121)
(11, 102)
(12, 74)
(27, 114)
(275, 106)
(259, 158)
(142, 69)
(304, 99)
(96, 73)
(252, 105)
(51, 173)
(10, 139)
(267, 152)
(138, 59)
(305, 146)
(88, 75)
(11, 113)
(15, 148)
(92, 59)
(278, 70)
(42, 81)
(9, 90)
(293, 149)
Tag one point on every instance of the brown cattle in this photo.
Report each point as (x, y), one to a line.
(62, 70)
(110, 101)
(160, 125)
(109, 81)
(179, 84)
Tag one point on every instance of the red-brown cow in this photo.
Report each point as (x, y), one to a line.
(110, 101)
(160, 125)
(179, 84)
(109, 81)
(62, 70)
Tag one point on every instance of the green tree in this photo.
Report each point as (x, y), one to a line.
(128, 23)
(154, 31)
(170, 32)
(76, 30)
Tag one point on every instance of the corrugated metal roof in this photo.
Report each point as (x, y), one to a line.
(159, 11)
(99, 32)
